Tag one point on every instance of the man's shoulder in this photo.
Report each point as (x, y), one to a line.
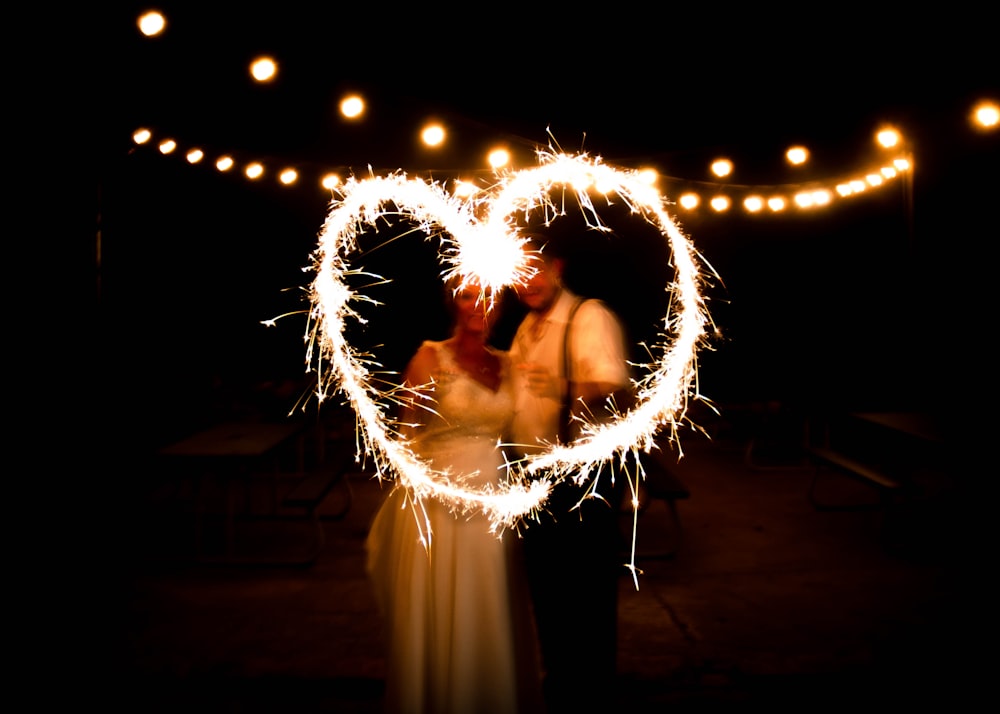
(592, 303)
(570, 305)
(594, 307)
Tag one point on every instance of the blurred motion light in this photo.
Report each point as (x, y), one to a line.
(753, 203)
(288, 176)
(582, 183)
(351, 107)
(151, 23)
(722, 167)
(603, 187)
(263, 69)
(141, 136)
(432, 135)
(195, 155)
(254, 170)
(330, 181)
(797, 155)
(167, 146)
(224, 163)
(901, 164)
(776, 203)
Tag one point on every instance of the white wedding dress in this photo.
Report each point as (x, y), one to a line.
(459, 627)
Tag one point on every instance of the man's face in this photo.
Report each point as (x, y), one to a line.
(539, 293)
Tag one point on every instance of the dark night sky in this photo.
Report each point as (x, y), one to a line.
(810, 308)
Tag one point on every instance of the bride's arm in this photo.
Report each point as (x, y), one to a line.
(416, 393)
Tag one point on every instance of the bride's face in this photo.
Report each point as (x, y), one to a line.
(475, 309)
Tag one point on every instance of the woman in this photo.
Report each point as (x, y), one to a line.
(456, 607)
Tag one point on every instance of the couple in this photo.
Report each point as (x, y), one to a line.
(461, 616)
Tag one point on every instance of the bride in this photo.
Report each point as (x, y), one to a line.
(458, 622)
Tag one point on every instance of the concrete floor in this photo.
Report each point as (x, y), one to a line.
(766, 601)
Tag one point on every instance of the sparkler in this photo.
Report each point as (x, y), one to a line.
(479, 243)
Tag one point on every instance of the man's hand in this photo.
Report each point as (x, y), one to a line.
(540, 381)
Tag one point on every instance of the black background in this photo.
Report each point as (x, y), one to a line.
(867, 304)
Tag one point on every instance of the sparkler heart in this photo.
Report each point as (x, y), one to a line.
(478, 242)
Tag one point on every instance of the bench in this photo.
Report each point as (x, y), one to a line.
(854, 468)
(234, 455)
(230, 454)
(843, 449)
(312, 490)
(884, 484)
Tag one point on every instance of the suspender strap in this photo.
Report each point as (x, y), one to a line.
(567, 396)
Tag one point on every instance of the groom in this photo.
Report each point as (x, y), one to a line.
(568, 354)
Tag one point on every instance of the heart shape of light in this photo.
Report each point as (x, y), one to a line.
(479, 243)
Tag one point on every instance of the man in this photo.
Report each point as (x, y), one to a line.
(575, 348)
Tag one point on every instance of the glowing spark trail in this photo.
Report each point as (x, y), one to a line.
(479, 242)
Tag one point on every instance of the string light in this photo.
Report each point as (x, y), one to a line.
(432, 135)
(263, 69)
(986, 115)
(797, 155)
(464, 189)
(498, 158)
(722, 167)
(888, 138)
(648, 176)
(352, 106)
(151, 23)
(812, 199)
(688, 200)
